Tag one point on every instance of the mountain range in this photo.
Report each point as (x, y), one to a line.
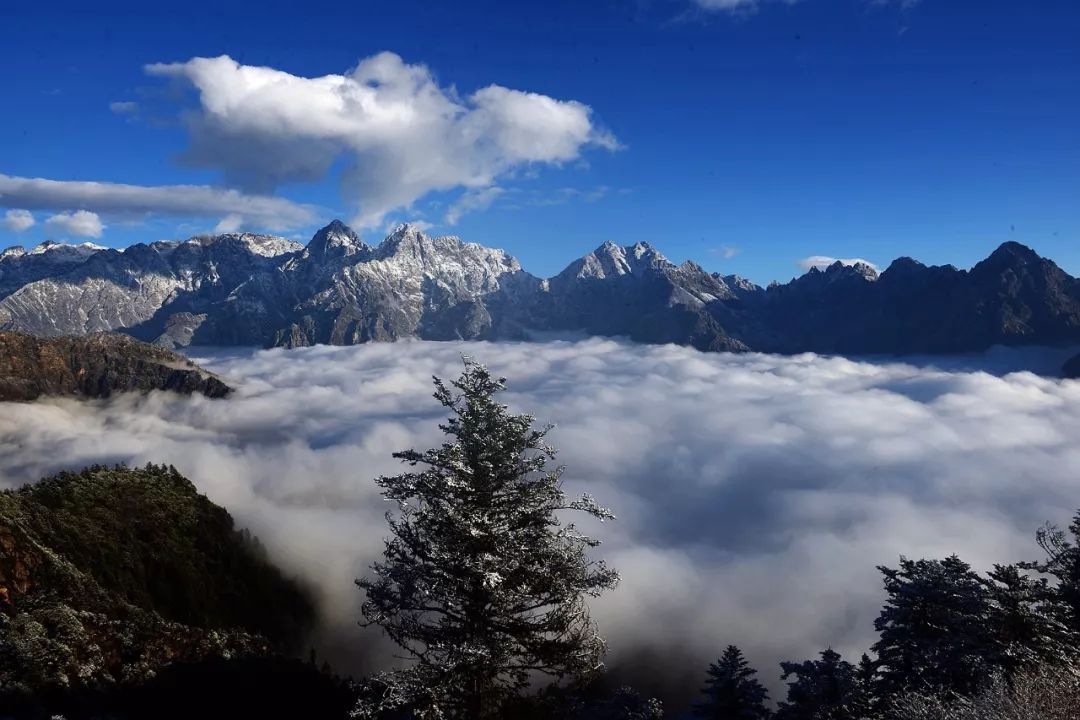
(245, 289)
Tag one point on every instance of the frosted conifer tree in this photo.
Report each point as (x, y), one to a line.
(481, 584)
(935, 628)
(825, 689)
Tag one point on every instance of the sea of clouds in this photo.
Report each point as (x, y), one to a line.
(755, 493)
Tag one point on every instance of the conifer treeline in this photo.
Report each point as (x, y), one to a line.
(951, 642)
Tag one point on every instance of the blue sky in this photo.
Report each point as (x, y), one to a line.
(746, 138)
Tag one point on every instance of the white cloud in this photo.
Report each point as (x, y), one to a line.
(735, 6)
(755, 493)
(124, 107)
(81, 223)
(472, 201)
(229, 224)
(18, 220)
(107, 198)
(402, 134)
(393, 223)
(727, 4)
(519, 198)
(823, 261)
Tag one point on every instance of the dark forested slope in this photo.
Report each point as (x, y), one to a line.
(109, 575)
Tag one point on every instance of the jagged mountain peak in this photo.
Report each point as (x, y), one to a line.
(406, 229)
(838, 271)
(644, 249)
(904, 263)
(1013, 257)
(406, 237)
(409, 243)
(264, 245)
(13, 251)
(336, 239)
(613, 260)
(1013, 253)
(738, 284)
(864, 270)
(50, 246)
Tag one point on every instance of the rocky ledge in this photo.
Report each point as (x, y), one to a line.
(96, 365)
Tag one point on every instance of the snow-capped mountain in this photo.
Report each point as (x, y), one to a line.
(256, 289)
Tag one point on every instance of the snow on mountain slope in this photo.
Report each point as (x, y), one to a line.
(244, 289)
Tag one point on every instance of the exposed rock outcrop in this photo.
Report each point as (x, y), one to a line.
(97, 365)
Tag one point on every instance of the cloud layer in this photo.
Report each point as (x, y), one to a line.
(401, 134)
(755, 493)
(136, 200)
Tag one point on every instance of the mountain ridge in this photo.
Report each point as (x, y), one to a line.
(247, 289)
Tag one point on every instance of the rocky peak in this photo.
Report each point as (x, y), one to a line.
(97, 365)
(611, 260)
(264, 245)
(1017, 252)
(406, 238)
(839, 271)
(336, 240)
(860, 269)
(1009, 256)
(13, 251)
(645, 250)
(740, 286)
(903, 265)
(865, 271)
(44, 247)
(608, 260)
(59, 249)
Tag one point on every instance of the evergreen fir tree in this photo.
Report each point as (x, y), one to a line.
(731, 690)
(825, 689)
(1027, 621)
(481, 584)
(1063, 564)
(866, 702)
(934, 628)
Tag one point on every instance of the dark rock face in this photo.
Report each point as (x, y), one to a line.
(1014, 297)
(635, 291)
(259, 290)
(111, 574)
(1071, 368)
(97, 365)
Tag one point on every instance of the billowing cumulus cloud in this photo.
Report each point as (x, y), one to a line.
(81, 223)
(118, 199)
(823, 261)
(754, 493)
(18, 220)
(401, 133)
